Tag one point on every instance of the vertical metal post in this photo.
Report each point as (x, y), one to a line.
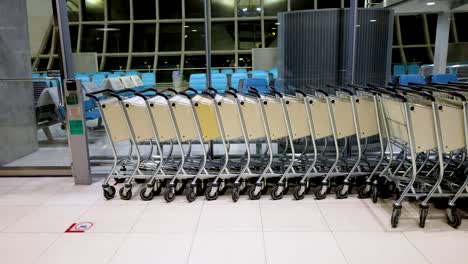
(77, 140)
(208, 41)
(352, 40)
(441, 43)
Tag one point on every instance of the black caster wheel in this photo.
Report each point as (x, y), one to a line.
(252, 195)
(146, 197)
(235, 194)
(140, 181)
(375, 194)
(395, 216)
(208, 194)
(341, 193)
(169, 195)
(109, 194)
(362, 193)
(191, 195)
(275, 194)
(127, 195)
(119, 180)
(319, 194)
(298, 195)
(423, 212)
(454, 217)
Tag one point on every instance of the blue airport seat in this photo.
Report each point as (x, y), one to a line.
(413, 68)
(131, 73)
(114, 75)
(257, 74)
(261, 84)
(227, 71)
(411, 78)
(241, 70)
(236, 78)
(442, 78)
(399, 69)
(274, 72)
(214, 71)
(119, 72)
(36, 75)
(98, 78)
(197, 81)
(148, 79)
(219, 82)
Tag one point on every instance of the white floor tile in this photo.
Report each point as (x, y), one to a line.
(230, 217)
(302, 247)
(292, 217)
(32, 193)
(112, 219)
(378, 247)
(24, 248)
(11, 214)
(12, 181)
(169, 218)
(227, 248)
(349, 217)
(448, 247)
(4, 189)
(47, 219)
(82, 248)
(75, 195)
(154, 248)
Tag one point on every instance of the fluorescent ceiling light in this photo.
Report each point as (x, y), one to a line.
(373, 20)
(259, 9)
(430, 3)
(108, 29)
(277, 23)
(244, 9)
(194, 30)
(273, 28)
(187, 26)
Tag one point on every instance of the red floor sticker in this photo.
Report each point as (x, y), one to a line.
(79, 227)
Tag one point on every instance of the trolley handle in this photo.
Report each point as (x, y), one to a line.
(149, 90)
(321, 92)
(362, 88)
(124, 91)
(452, 93)
(255, 93)
(185, 94)
(93, 94)
(212, 90)
(253, 88)
(169, 90)
(427, 96)
(277, 93)
(115, 95)
(190, 90)
(300, 92)
(232, 94)
(232, 89)
(141, 96)
(338, 88)
(272, 88)
(209, 94)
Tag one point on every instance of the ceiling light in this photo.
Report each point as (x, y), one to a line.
(430, 3)
(273, 28)
(108, 29)
(194, 30)
(186, 36)
(244, 9)
(187, 26)
(259, 9)
(373, 20)
(277, 23)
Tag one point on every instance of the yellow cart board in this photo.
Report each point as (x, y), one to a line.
(206, 117)
(367, 116)
(395, 118)
(184, 117)
(320, 117)
(343, 114)
(252, 118)
(297, 118)
(139, 118)
(275, 118)
(116, 124)
(452, 126)
(229, 117)
(162, 118)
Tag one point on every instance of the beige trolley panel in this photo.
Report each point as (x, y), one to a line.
(452, 126)
(116, 124)
(162, 117)
(252, 118)
(297, 117)
(343, 114)
(229, 118)
(365, 108)
(395, 118)
(422, 119)
(320, 117)
(275, 118)
(184, 117)
(206, 117)
(139, 118)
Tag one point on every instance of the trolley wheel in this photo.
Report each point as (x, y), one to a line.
(190, 195)
(127, 195)
(341, 193)
(362, 193)
(119, 180)
(180, 190)
(274, 193)
(140, 180)
(243, 190)
(235, 193)
(375, 194)
(423, 212)
(109, 194)
(169, 195)
(297, 193)
(145, 197)
(265, 188)
(252, 195)
(396, 216)
(454, 217)
(319, 195)
(208, 195)
(158, 190)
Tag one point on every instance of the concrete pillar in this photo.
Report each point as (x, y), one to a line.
(441, 43)
(18, 134)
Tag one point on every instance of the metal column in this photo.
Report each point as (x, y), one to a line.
(441, 43)
(208, 41)
(77, 138)
(352, 41)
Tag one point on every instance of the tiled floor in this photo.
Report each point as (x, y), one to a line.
(35, 212)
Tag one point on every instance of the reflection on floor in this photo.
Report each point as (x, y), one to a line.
(37, 211)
